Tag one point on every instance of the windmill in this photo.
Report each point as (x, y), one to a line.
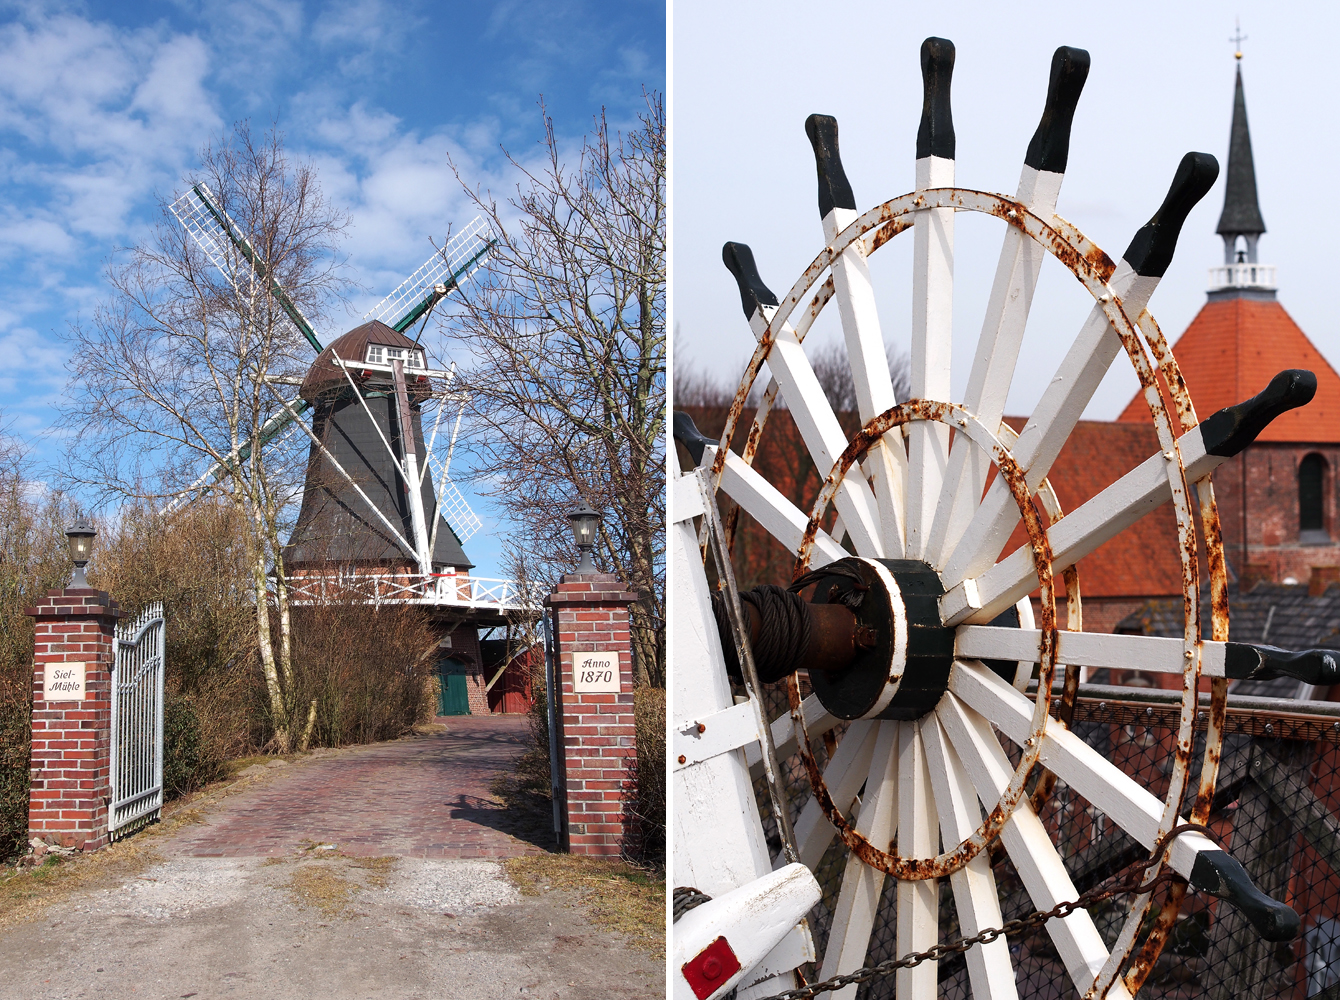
(372, 515)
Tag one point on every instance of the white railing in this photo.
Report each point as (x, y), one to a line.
(443, 589)
(1242, 276)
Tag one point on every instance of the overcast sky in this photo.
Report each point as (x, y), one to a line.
(1161, 83)
(104, 106)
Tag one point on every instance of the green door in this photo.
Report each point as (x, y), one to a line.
(452, 696)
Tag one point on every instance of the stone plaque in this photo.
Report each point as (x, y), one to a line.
(595, 673)
(63, 681)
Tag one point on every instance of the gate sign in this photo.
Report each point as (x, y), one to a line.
(596, 672)
(63, 682)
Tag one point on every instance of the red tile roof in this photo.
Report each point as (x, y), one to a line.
(1142, 560)
(1232, 349)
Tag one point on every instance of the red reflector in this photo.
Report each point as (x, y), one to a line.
(711, 968)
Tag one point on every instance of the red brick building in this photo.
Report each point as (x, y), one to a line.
(1277, 500)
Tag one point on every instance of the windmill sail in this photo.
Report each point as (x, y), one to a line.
(455, 508)
(227, 247)
(222, 242)
(280, 423)
(440, 273)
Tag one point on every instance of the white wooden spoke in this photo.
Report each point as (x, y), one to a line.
(843, 776)
(1089, 649)
(820, 431)
(1080, 532)
(1130, 805)
(886, 462)
(778, 516)
(975, 895)
(918, 902)
(932, 348)
(1029, 845)
(858, 900)
(817, 722)
(1057, 412)
(993, 366)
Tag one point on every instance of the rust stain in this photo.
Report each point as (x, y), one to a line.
(917, 869)
(887, 232)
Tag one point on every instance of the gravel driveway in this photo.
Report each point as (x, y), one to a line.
(304, 916)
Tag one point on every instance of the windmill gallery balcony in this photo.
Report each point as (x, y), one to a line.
(448, 591)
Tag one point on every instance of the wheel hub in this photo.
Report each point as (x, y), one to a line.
(903, 671)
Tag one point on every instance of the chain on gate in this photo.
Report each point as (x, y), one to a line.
(137, 722)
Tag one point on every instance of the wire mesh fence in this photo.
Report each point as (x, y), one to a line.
(1276, 809)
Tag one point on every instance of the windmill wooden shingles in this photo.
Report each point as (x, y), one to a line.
(335, 524)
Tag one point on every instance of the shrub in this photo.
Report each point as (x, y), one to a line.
(368, 669)
(645, 822)
(15, 742)
(191, 758)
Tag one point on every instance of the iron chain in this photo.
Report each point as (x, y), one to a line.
(1128, 881)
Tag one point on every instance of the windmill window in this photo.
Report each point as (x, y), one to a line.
(1311, 501)
(380, 354)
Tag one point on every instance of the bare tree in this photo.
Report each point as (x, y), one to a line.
(567, 378)
(711, 388)
(179, 369)
(33, 559)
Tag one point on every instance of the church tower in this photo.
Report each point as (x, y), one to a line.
(1241, 218)
(1278, 499)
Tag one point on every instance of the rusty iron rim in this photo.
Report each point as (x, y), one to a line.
(1093, 268)
(1143, 962)
(948, 862)
(1057, 236)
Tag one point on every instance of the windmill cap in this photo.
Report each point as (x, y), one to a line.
(353, 346)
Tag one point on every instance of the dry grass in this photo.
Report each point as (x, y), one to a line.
(378, 869)
(26, 892)
(614, 894)
(323, 888)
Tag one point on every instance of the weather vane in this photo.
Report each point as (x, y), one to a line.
(1238, 38)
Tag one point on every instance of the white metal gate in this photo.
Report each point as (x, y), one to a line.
(137, 723)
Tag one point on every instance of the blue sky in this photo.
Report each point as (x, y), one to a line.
(104, 106)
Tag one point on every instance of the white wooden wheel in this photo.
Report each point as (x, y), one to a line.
(918, 799)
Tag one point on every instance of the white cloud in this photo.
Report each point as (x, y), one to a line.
(362, 32)
(108, 115)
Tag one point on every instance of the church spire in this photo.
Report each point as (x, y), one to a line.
(1241, 276)
(1242, 213)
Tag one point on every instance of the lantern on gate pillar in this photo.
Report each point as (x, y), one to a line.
(80, 540)
(584, 522)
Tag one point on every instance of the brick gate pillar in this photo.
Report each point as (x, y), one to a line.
(595, 707)
(73, 648)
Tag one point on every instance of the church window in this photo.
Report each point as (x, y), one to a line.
(1311, 500)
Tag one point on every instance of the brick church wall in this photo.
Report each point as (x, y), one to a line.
(1269, 473)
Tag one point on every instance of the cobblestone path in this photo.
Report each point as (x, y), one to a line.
(420, 797)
